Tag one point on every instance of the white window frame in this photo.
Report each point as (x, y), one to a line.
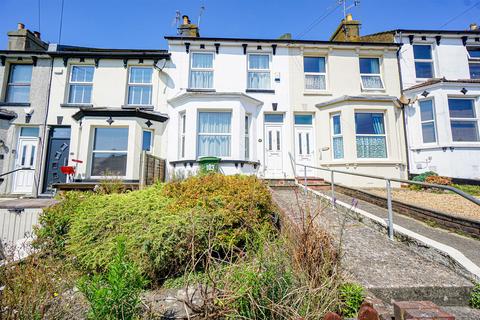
(247, 124)
(151, 140)
(93, 151)
(385, 129)
(212, 70)
(423, 60)
(339, 135)
(472, 60)
(229, 156)
(183, 130)
(70, 83)
(434, 120)
(18, 84)
(324, 74)
(380, 66)
(133, 84)
(269, 70)
(474, 120)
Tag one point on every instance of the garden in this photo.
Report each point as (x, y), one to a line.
(217, 241)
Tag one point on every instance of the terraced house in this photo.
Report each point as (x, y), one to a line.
(441, 81)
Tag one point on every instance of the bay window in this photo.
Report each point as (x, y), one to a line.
(109, 154)
(201, 70)
(337, 137)
(18, 86)
(427, 119)
(259, 71)
(370, 135)
(140, 86)
(370, 74)
(147, 140)
(247, 136)
(474, 62)
(422, 55)
(81, 83)
(214, 134)
(463, 120)
(183, 128)
(315, 73)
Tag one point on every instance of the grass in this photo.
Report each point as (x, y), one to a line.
(470, 189)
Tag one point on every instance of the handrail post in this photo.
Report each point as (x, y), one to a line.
(332, 183)
(390, 212)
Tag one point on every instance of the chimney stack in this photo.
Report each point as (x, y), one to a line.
(187, 29)
(348, 30)
(473, 27)
(23, 39)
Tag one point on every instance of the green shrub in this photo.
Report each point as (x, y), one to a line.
(115, 295)
(351, 296)
(475, 297)
(423, 176)
(162, 224)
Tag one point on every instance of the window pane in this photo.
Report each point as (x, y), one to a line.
(138, 95)
(61, 133)
(82, 73)
(140, 75)
(426, 110)
(369, 123)
(369, 66)
(258, 61)
(202, 60)
(474, 52)
(372, 82)
(277, 117)
(314, 64)
(259, 80)
(147, 140)
(337, 126)
(338, 148)
(18, 94)
(371, 147)
(114, 139)
(29, 132)
(315, 82)
(303, 119)
(80, 94)
(201, 79)
(461, 108)
(20, 73)
(428, 132)
(475, 70)
(422, 52)
(217, 146)
(214, 122)
(424, 69)
(109, 164)
(464, 131)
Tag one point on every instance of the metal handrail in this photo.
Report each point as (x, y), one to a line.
(388, 187)
(15, 170)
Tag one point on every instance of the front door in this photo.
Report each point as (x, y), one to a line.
(304, 150)
(273, 151)
(23, 180)
(57, 156)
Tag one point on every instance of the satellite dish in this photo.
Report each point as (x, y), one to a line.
(404, 100)
(161, 64)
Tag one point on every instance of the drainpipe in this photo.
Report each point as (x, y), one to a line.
(404, 116)
(45, 135)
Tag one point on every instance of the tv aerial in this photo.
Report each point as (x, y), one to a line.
(346, 6)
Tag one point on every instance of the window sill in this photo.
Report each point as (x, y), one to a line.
(138, 106)
(260, 91)
(200, 90)
(317, 93)
(451, 146)
(76, 105)
(362, 162)
(374, 91)
(14, 104)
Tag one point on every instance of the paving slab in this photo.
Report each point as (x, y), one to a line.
(390, 270)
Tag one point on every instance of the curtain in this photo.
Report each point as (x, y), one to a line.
(377, 120)
(140, 75)
(82, 74)
(257, 61)
(80, 93)
(214, 122)
(338, 147)
(217, 146)
(201, 79)
(259, 80)
(372, 82)
(202, 60)
(140, 95)
(218, 127)
(315, 82)
(371, 147)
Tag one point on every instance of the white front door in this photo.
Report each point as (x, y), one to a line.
(304, 150)
(23, 180)
(273, 151)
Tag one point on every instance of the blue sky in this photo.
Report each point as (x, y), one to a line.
(143, 23)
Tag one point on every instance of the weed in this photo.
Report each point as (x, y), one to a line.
(352, 296)
(475, 297)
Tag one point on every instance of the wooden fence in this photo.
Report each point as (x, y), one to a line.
(152, 170)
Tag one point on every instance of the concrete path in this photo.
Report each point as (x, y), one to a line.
(388, 269)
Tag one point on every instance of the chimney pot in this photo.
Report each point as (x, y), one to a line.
(473, 27)
(186, 20)
(37, 34)
(20, 26)
(349, 17)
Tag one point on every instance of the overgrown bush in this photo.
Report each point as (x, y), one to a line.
(161, 224)
(475, 297)
(423, 176)
(444, 181)
(115, 295)
(351, 296)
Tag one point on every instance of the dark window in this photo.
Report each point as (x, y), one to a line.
(109, 156)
